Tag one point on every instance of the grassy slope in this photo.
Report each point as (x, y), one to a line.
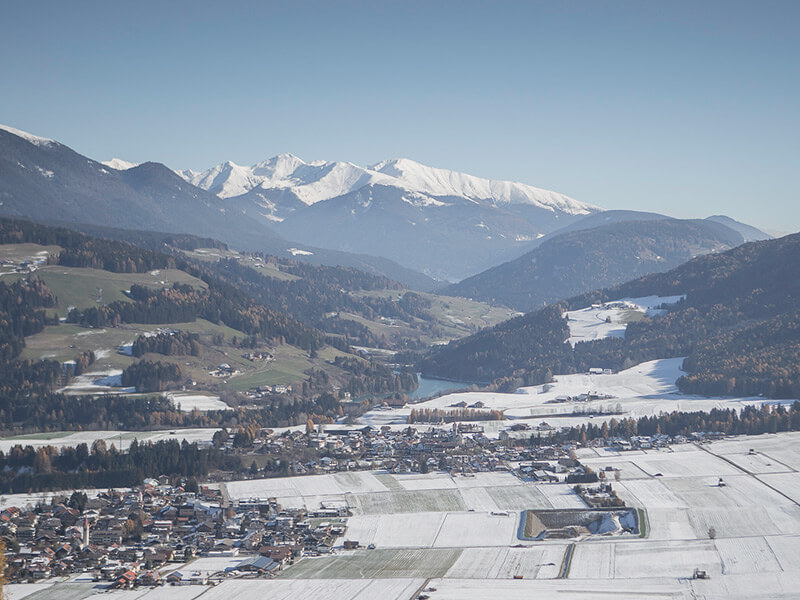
(78, 287)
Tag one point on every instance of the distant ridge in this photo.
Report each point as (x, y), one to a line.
(580, 260)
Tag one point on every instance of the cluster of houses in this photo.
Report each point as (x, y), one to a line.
(224, 370)
(459, 448)
(585, 397)
(256, 356)
(145, 536)
(28, 265)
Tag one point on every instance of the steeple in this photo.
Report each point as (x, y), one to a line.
(85, 532)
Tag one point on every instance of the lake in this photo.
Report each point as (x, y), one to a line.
(429, 387)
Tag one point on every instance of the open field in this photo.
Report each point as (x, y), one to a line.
(377, 564)
(121, 439)
(65, 591)
(541, 562)
(675, 559)
(416, 530)
(409, 502)
(463, 530)
(315, 589)
(644, 390)
(510, 589)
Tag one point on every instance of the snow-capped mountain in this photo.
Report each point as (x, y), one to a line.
(319, 180)
(397, 208)
(46, 181)
(29, 137)
(119, 164)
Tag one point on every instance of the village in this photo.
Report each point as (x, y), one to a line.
(145, 536)
(149, 536)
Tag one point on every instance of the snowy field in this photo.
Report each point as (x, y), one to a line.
(611, 318)
(381, 493)
(243, 589)
(644, 390)
(201, 402)
(510, 589)
(541, 562)
(120, 439)
(748, 527)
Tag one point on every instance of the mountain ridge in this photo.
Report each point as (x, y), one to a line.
(585, 259)
(287, 171)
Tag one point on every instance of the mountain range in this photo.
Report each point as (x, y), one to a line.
(48, 182)
(443, 223)
(397, 218)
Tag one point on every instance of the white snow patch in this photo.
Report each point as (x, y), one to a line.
(298, 252)
(201, 402)
(319, 180)
(28, 137)
(119, 164)
(610, 319)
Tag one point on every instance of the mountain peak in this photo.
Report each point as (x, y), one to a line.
(28, 137)
(319, 180)
(119, 164)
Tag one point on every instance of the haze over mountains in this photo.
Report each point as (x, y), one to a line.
(46, 181)
(398, 218)
(443, 223)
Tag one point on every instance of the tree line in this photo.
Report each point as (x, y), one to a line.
(25, 469)
(169, 344)
(750, 420)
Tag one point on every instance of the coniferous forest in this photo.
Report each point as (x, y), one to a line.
(737, 326)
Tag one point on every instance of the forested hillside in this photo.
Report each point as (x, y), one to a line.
(577, 261)
(737, 326)
(29, 396)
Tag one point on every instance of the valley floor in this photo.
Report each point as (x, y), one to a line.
(457, 537)
(644, 390)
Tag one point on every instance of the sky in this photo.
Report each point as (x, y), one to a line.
(685, 108)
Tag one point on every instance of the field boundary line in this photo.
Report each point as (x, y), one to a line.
(567, 562)
(753, 475)
(424, 585)
(783, 464)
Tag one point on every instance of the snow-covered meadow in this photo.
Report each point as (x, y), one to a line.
(121, 439)
(610, 319)
(643, 390)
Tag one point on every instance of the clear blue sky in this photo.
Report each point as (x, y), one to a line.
(687, 108)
